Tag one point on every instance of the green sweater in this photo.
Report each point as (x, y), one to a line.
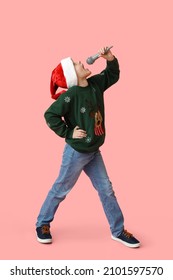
(83, 107)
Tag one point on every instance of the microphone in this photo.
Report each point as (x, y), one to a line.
(92, 59)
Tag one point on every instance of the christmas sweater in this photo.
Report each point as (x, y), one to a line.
(83, 107)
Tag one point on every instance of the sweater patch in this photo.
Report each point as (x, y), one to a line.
(88, 139)
(93, 89)
(98, 129)
(95, 114)
(67, 99)
(83, 110)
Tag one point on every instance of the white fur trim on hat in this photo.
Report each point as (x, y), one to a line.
(69, 72)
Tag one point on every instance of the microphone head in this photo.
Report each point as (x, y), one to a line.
(90, 60)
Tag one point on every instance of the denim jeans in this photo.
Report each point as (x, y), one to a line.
(73, 163)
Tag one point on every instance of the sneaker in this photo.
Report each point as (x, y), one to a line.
(127, 239)
(43, 234)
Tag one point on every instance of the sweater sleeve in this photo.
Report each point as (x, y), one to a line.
(54, 116)
(109, 76)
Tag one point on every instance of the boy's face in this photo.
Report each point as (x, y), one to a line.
(81, 72)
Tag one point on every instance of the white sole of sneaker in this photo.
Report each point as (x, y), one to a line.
(125, 243)
(44, 241)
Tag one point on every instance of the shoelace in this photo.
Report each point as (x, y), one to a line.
(127, 234)
(45, 229)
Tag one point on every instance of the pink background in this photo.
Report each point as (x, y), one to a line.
(138, 151)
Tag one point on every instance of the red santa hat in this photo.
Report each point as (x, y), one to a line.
(64, 76)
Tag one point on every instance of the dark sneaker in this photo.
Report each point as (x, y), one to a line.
(127, 239)
(43, 234)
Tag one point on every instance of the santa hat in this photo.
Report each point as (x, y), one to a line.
(64, 76)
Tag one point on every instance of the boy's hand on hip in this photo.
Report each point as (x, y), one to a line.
(79, 133)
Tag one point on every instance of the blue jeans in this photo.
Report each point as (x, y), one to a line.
(73, 163)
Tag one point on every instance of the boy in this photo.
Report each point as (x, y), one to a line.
(78, 116)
